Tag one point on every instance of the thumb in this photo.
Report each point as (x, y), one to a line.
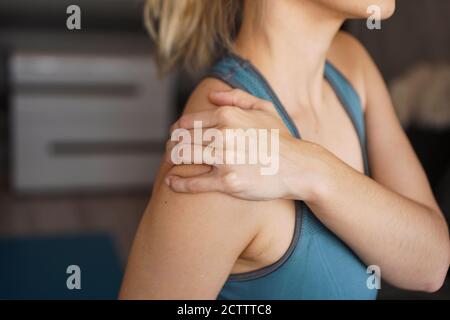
(208, 182)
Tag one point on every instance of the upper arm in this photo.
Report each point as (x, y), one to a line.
(187, 244)
(392, 160)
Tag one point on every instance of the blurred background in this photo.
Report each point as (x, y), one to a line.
(84, 118)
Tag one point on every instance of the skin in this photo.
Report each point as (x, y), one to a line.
(205, 222)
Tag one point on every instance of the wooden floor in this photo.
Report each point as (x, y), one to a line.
(115, 214)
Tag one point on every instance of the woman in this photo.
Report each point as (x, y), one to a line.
(310, 231)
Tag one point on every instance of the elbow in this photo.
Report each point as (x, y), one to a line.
(438, 275)
(434, 285)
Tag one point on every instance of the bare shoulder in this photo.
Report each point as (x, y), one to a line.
(187, 244)
(198, 101)
(351, 58)
(218, 210)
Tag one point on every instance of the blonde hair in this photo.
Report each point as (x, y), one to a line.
(191, 32)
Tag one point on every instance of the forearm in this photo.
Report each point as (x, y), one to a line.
(408, 240)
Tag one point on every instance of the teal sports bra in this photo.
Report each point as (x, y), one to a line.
(317, 264)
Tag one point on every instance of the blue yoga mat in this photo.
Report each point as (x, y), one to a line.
(35, 268)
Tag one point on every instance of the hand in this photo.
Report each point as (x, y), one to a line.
(291, 173)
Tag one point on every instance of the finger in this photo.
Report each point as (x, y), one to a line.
(213, 136)
(203, 119)
(236, 98)
(183, 153)
(209, 182)
(218, 118)
(191, 170)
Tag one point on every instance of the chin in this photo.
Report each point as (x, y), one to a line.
(387, 8)
(357, 9)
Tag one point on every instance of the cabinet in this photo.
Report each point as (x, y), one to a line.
(86, 121)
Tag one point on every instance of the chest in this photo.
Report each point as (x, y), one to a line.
(331, 127)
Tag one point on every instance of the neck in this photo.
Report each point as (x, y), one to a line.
(289, 46)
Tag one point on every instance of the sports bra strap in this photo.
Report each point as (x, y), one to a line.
(349, 98)
(241, 74)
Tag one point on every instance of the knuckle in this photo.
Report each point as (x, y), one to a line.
(266, 105)
(237, 92)
(191, 185)
(243, 102)
(224, 114)
(239, 97)
(183, 122)
(231, 182)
